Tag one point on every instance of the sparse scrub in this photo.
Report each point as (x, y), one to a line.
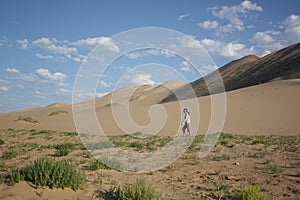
(138, 190)
(222, 157)
(253, 192)
(51, 173)
(27, 119)
(58, 112)
(275, 169)
(64, 149)
(9, 154)
(97, 165)
(2, 142)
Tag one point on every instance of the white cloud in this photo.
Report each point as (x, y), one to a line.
(41, 56)
(207, 69)
(23, 44)
(228, 50)
(12, 70)
(3, 41)
(3, 88)
(208, 24)
(53, 46)
(181, 17)
(63, 91)
(45, 76)
(251, 6)
(138, 78)
(105, 84)
(292, 28)
(185, 66)
(234, 15)
(91, 43)
(39, 95)
(262, 38)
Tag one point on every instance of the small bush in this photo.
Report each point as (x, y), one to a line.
(64, 149)
(97, 165)
(58, 112)
(138, 190)
(253, 192)
(27, 119)
(51, 173)
(9, 154)
(275, 168)
(1, 142)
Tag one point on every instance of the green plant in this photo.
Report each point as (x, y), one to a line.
(253, 192)
(9, 154)
(97, 165)
(222, 157)
(138, 190)
(27, 119)
(51, 173)
(275, 168)
(1, 142)
(139, 146)
(58, 112)
(64, 149)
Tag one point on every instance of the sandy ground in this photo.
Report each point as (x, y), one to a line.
(267, 109)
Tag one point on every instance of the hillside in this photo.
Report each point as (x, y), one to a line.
(248, 71)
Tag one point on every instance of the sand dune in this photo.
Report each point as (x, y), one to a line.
(271, 108)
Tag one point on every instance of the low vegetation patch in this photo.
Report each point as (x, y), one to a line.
(253, 192)
(51, 173)
(138, 190)
(64, 149)
(58, 112)
(1, 142)
(27, 119)
(9, 154)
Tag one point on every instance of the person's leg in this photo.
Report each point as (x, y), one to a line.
(189, 128)
(184, 128)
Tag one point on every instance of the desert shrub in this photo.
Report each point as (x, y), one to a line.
(64, 149)
(58, 112)
(253, 192)
(27, 119)
(97, 165)
(274, 168)
(138, 145)
(1, 142)
(51, 173)
(138, 190)
(9, 154)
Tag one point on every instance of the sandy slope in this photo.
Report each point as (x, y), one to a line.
(271, 108)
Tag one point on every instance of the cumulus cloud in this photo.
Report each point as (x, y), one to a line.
(91, 43)
(45, 76)
(228, 50)
(208, 24)
(207, 69)
(138, 78)
(104, 84)
(185, 66)
(292, 28)
(23, 44)
(12, 70)
(181, 17)
(41, 56)
(234, 15)
(3, 88)
(53, 46)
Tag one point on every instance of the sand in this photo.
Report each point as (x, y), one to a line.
(267, 109)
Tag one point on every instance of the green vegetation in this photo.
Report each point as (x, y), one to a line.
(58, 112)
(9, 154)
(51, 173)
(1, 142)
(138, 190)
(27, 119)
(253, 192)
(64, 149)
(275, 169)
(97, 165)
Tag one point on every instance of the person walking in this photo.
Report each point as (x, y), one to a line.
(186, 122)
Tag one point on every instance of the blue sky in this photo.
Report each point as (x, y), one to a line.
(43, 43)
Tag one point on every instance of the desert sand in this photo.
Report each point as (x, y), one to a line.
(267, 109)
